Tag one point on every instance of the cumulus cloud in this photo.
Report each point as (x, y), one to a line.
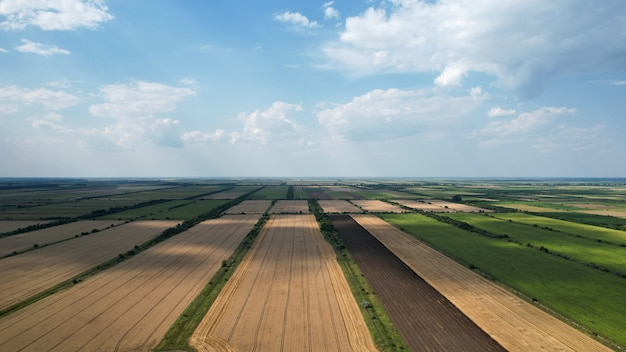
(58, 15)
(526, 126)
(498, 111)
(49, 99)
(270, 124)
(199, 136)
(393, 113)
(135, 107)
(40, 49)
(518, 42)
(297, 19)
(329, 11)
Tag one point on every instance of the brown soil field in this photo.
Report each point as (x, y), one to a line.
(12, 225)
(423, 206)
(130, 306)
(316, 193)
(377, 206)
(426, 320)
(289, 294)
(24, 241)
(250, 207)
(290, 207)
(29, 273)
(514, 323)
(339, 206)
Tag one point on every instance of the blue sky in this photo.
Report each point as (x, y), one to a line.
(405, 88)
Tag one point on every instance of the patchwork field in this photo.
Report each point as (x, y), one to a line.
(377, 206)
(289, 294)
(131, 306)
(422, 205)
(290, 207)
(32, 272)
(339, 206)
(426, 320)
(39, 238)
(514, 323)
(12, 225)
(250, 207)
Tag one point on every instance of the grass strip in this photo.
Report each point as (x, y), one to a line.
(383, 331)
(178, 336)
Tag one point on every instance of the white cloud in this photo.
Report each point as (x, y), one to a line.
(54, 15)
(2, 50)
(518, 42)
(617, 83)
(330, 11)
(296, 19)
(393, 113)
(134, 108)
(198, 136)
(40, 49)
(139, 99)
(271, 124)
(49, 99)
(571, 138)
(498, 111)
(525, 127)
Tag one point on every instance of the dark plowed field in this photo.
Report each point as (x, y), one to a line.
(426, 319)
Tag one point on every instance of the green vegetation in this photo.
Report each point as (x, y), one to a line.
(271, 192)
(584, 295)
(382, 329)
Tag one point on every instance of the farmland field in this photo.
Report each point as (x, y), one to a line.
(339, 206)
(250, 207)
(517, 325)
(377, 206)
(289, 294)
(586, 296)
(426, 319)
(12, 225)
(39, 238)
(290, 207)
(29, 273)
(130, 306)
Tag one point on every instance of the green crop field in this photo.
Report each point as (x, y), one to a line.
(271, 192)
(587, 296)
(584, 250)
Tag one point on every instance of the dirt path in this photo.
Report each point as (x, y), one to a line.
(289, 294)
(515, 324)
(131, 306)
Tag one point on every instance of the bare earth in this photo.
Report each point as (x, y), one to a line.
(290, 207)
(131, 306)
(516, 324)
(289, 294)
(250, 207)
(338, 206)
(27, 240)
(32, 272)
(377, 206)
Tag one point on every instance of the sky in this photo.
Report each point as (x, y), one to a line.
(344, 88)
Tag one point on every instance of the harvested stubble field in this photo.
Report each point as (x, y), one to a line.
(290, 207)
(130, 306)
(289, 294)
(30, 273)
(377, 206)
(24, 241)
(339, 206)
(516, 324)
(464, 208)
(250, 207)
(423, 206)
(426, 320)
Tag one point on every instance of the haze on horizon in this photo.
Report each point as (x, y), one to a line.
(406, 88)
